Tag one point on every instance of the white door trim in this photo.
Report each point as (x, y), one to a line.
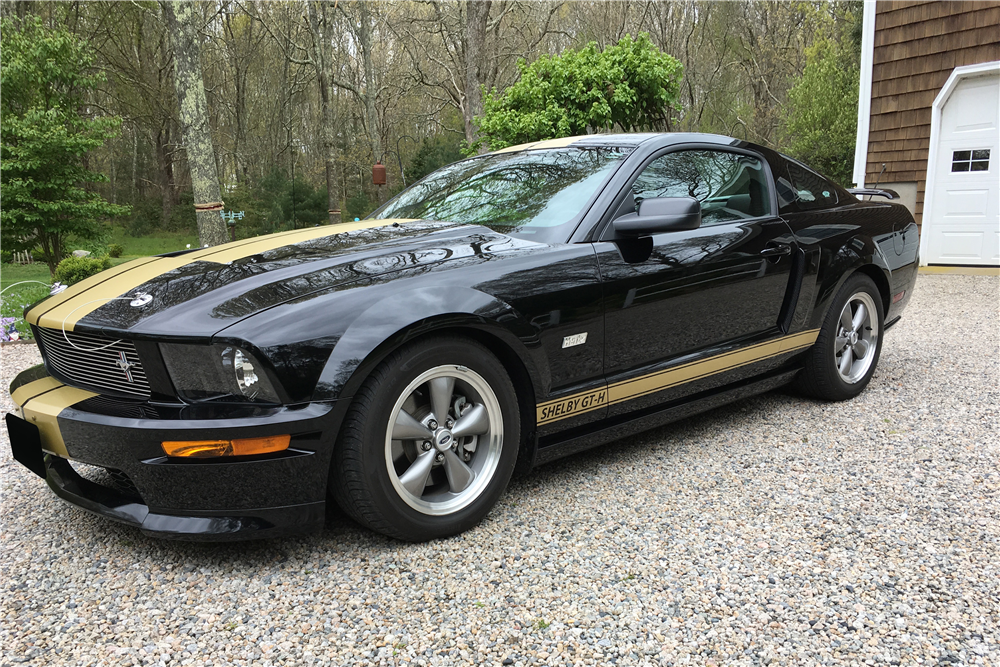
(864, 93)
(959, 73)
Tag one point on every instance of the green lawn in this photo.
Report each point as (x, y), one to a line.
(13, 300)
(154, 244)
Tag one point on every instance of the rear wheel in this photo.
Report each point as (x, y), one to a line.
(430, 441)
(843, 360)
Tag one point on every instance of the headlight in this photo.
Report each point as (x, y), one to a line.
(201, 372)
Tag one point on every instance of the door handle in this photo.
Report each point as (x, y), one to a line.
(776, 250)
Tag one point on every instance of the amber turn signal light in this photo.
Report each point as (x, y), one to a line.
(203, 449)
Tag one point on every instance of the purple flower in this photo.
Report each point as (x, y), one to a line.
(8, 331)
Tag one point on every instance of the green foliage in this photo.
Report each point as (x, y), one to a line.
(182, 216)
(46, 133)
(822, 119)
(74, 269)
(115, 250)
(302, 205)
(145, 218)
(434, 153)
(631, 85)
(358, 206)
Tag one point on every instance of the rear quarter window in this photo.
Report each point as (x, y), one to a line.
(810, 190)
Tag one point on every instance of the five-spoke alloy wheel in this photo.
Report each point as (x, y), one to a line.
(429, 442)
(443, 444)
(857, 336)
(843, 360)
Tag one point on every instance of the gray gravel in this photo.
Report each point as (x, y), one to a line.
(775, 531)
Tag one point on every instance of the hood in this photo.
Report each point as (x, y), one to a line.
(197, 294)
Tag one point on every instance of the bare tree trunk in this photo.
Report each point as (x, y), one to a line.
(183, 22)
(166, 175)
(321, 60)
(477, 14)
(371, 90)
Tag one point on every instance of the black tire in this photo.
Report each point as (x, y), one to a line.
(369, 476)
(822, 376)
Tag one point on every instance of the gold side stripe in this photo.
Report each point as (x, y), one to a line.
(41, 402)
(92, 294)
(626, 390)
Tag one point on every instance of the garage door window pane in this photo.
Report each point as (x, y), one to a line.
(977, 160)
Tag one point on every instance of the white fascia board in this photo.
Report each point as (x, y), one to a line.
(864, 93)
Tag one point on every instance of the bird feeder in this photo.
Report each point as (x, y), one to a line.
(378, 173)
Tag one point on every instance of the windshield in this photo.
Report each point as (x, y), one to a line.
(534, 195)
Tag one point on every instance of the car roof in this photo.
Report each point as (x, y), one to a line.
(631, 140)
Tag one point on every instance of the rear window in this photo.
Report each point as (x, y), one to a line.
(809, 189)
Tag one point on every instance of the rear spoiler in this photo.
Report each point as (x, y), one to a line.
(873, 192)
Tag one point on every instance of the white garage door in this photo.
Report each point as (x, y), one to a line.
(963, 223)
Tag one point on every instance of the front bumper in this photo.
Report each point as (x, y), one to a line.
(208, 499)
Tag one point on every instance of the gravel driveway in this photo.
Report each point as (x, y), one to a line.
(777, 530)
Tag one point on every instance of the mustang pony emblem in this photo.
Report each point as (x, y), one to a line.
(126, 366)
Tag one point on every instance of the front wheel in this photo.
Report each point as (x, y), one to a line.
(429, 442)
(843, 360)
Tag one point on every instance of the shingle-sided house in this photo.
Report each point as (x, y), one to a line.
(929, 111)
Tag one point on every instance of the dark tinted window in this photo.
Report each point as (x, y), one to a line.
(528, 194)
(977, 160)
(729, 186)
(810, 189)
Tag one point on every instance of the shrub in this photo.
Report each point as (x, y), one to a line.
(115, 250)
(74, 269)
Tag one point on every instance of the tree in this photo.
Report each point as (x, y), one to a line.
(47, 131)
(822, 120)
(183, 21)
(631, 85)
(457, 49)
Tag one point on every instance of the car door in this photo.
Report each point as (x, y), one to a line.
(687, 311)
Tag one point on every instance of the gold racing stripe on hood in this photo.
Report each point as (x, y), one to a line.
(561, 142)
(643, 385)
(82, 286)
(43, 401)
(92, 294)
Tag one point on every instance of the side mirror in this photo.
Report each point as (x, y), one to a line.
(660, 214)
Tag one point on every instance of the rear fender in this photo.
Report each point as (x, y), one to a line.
(859, 253)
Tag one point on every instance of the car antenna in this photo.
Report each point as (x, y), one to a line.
(877, 181)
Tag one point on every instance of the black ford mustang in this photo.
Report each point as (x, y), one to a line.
(507, 310)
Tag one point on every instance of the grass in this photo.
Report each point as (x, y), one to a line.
(13, 301)
(153, 244)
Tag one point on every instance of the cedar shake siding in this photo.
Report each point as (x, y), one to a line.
(917, 45)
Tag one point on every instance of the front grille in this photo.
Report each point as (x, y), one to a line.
(94, 362)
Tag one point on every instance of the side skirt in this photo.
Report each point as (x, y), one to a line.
(632, 424)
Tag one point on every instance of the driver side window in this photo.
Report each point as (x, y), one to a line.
(728, 185)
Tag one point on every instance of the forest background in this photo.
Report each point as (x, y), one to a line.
(304, 97)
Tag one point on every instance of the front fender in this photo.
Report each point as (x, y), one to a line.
(401, 317)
